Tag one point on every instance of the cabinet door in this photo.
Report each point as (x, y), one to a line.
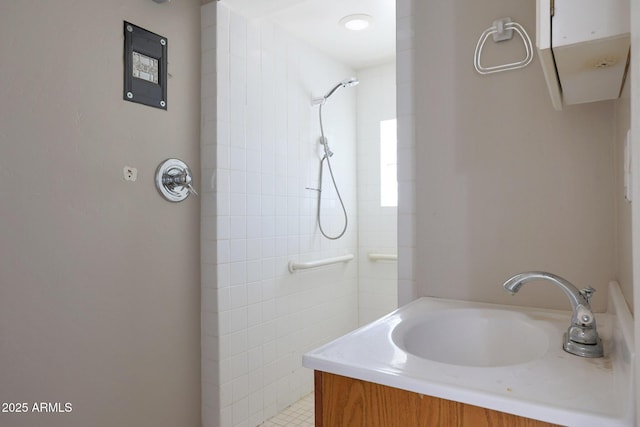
(342, 402)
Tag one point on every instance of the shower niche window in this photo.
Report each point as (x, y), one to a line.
(388, 163)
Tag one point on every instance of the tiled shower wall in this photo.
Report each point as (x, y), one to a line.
(377, 225)
(260, 152)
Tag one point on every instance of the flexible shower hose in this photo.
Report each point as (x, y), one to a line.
(326, 157)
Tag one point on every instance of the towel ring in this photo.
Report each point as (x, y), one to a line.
(501, 30)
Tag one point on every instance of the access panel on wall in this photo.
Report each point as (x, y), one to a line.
(145, 67)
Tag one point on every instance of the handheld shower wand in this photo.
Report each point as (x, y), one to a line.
(352, 81)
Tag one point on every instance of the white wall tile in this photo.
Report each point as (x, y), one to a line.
(237, 24)
(221, 109)
(222, 15)
(254, 249)
(254, 275)
(223, 274)
(241, 412)
(254, 315)
(237, 227)
(237, 158)
(237, 273)
(376, 225)
(208, 15)
(254, 207)
(222, 79)
(239, 297)
(238, 204)
(265, 152)
(254, 161)
(208, 35)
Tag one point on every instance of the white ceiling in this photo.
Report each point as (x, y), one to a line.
(316, 22)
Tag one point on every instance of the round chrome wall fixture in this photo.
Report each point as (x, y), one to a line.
(173, 180)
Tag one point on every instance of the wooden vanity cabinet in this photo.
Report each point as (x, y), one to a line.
(342, 401)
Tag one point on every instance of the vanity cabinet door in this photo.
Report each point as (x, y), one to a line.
(342, 401)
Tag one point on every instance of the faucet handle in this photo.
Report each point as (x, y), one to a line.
(587, 293)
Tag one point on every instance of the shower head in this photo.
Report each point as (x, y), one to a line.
(351, 81)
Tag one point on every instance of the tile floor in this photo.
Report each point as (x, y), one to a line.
(300, 414)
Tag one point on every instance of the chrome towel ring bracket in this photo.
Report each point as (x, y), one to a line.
(501, 30)
(174, 180)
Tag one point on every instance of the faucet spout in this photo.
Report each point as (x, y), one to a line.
(582, 337)
(514, 284)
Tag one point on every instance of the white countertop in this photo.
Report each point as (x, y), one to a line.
(558, 387)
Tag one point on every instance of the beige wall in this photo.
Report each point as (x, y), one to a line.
(99, 277)
(624, 264)
(504, 183)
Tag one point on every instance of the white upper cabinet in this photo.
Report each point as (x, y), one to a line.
(584, 48)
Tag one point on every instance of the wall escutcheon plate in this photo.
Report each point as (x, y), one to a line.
(174, 180)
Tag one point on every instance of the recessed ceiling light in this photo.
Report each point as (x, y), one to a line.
(356, 22)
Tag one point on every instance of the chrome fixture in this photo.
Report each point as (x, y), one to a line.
(174, 180)
(501, 30)
(582, 337)
(351, 81)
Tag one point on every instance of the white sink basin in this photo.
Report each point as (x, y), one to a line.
(473, 337)
(505, 358)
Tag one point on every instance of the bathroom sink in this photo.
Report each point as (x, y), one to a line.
(500, 357)
(473, 337)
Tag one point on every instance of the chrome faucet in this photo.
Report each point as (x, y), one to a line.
(582, 337)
